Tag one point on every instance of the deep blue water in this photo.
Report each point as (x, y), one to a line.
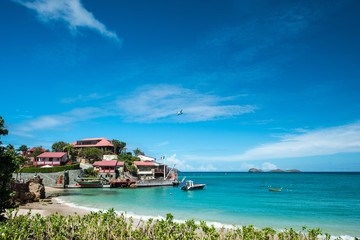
(330, 201)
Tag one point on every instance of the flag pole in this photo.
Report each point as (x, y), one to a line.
(164, 166)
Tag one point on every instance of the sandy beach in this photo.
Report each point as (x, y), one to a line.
(46, 207)
(50, 206)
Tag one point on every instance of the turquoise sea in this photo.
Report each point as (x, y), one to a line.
(330, 201)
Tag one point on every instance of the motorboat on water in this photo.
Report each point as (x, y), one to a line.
(191, 186)
(275, 189)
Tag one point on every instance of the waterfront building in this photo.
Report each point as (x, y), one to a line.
(146, 169)
(111, 168)
(100, 143)
(52, 159)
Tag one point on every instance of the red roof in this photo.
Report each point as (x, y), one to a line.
(144, 163)
(32, 149)
(102, 142)
(108, 163)
(52, 154)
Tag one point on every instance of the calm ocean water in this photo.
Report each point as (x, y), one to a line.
(330, 201)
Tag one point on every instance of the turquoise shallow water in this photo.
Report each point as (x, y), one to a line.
(330, 201)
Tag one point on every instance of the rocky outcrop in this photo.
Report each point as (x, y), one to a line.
(28, 192)
(38, 189)
(255, 170)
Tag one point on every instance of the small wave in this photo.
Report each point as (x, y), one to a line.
(217, 225)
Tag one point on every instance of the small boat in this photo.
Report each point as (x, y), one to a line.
(275, 189)
(190, 186)
(89, 182)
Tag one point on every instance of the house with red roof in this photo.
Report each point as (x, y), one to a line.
(100, 143)
(52, 159)
(109, 167)
(146, 169)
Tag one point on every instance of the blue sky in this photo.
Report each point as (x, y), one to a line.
(262, 84)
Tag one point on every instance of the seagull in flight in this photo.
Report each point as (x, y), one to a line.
(180, 112)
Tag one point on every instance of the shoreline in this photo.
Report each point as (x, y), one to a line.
(47, 208)
(53, 205)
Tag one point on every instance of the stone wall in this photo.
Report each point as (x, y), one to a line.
(49, 179)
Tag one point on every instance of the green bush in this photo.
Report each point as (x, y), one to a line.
(108, 225)
(34, 169)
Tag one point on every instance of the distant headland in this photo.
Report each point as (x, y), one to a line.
(276, 170)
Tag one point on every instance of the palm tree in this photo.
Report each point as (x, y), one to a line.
(21, 161)
(23, 148)
(69, 149)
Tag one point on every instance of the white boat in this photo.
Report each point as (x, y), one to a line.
(191, 186)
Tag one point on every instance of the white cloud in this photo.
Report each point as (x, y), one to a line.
(85, 98)
(328, 141)
(71, 12)
(207, 168)
(268, 166)
(179, 164)
(160, 102)
(52, 121)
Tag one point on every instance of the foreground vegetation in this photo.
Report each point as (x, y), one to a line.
(108, 225)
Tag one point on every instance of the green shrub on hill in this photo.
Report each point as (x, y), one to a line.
(34, 169)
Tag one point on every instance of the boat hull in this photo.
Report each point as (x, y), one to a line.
(195, 187)
(89, 183)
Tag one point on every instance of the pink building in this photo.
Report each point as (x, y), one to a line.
(109, 166)
(101, 143)
(51, 158)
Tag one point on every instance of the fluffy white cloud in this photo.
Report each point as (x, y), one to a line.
(268, 166)
(207, 168)
(179, 164)
(160, 102)
(52, 121)
(85, 98)
(326, 141)
(71, 12)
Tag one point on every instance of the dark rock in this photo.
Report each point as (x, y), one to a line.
(255, 170)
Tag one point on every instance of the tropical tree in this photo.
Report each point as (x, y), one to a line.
(92, 154)
(8, 166)
(23, 148)
(58, 146)
(37, 151)
(127, 158)
(21, 161)
(3, 130)
(118, 146)
(70, 150)
(137, 152)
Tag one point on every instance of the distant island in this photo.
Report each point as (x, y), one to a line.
(254, 170)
